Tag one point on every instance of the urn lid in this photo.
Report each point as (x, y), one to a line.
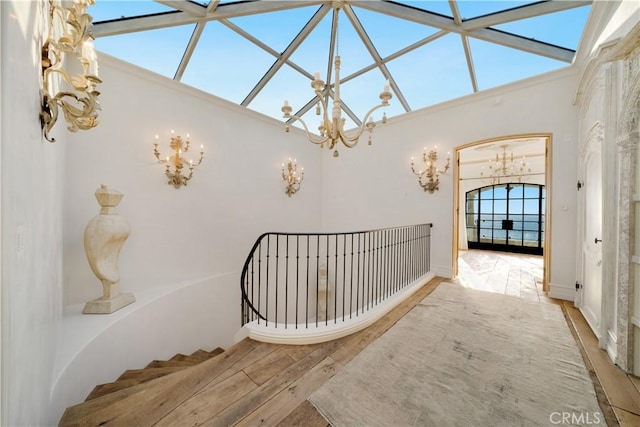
(108, 197)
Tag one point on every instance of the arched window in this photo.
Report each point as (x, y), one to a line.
(506, 217)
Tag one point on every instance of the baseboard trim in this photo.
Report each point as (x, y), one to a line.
(562, 292)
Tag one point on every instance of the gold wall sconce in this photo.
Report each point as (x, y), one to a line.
(291, 177)
(429, 178)
(75, 94)
(177, 161)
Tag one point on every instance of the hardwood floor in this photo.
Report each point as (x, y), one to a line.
(254, 383)
(521, 275)
(250, 383)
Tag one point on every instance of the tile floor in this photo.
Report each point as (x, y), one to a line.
(506, 273)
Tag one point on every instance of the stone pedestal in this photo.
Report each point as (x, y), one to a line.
(104, 236)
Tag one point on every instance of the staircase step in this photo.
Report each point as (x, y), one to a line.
(147, 374)
(186, 359)
(147, 403)
(202, 355)
(104, 389)
(168, 364)
(133, 377)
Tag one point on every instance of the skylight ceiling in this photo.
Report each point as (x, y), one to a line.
(259, 53)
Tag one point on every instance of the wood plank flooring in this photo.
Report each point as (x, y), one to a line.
(253, 383)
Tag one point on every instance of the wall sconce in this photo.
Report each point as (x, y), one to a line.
(291, 177)
(79, 99)
(429, 178)
(179, 146)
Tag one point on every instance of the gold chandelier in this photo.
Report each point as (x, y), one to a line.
(331, 128)
(505, 166)
(75, 94)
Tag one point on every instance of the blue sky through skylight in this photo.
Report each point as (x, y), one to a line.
(227, 65)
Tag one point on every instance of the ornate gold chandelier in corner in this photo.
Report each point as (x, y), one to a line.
(78, 100)
(505, 166)
(331, 128)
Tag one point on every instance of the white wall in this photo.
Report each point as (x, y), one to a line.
(205, 228)
(32, 205)
(372, 186)
(183, 258)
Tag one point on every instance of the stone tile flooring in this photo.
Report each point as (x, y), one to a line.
(513, 274)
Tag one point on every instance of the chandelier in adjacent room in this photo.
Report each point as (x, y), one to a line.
(331, 128)
(504, 165)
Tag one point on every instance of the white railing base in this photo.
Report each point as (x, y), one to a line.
(281, 333)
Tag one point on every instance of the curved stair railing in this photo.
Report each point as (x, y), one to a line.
(310, 280)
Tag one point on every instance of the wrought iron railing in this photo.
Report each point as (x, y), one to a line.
(312, 279)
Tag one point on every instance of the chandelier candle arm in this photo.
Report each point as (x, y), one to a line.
(332, 127)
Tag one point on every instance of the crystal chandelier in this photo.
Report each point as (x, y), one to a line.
(331, 128)
(505, 166)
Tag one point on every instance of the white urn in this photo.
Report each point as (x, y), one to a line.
(104, 237)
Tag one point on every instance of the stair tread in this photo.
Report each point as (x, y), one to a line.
(167, 364)
(149, 373)
(104, 389)
(158, 396)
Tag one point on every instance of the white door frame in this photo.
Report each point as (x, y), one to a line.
(547, 178)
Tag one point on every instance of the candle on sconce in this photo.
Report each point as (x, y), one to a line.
(386, 86)
(316, 75)
(286, 102)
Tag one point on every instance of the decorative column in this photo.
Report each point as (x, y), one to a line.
(104, 236)
(628, 51)
(626, 232)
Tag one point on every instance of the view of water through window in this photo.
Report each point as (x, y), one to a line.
(506, 217)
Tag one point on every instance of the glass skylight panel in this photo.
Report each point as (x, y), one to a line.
(560, 28)
(353, 52)
(313, 53)
(230, 66)
(472, 9)
(379, 26)
(288, 84)
(276, 29)
(440, 7)
(363, 93)
(226, 64)
(157, 50)
(106, 10)
(434, 73)
(497, 65)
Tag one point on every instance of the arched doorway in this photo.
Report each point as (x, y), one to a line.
(507, 180)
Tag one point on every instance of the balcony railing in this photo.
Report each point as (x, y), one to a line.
(308, 280)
